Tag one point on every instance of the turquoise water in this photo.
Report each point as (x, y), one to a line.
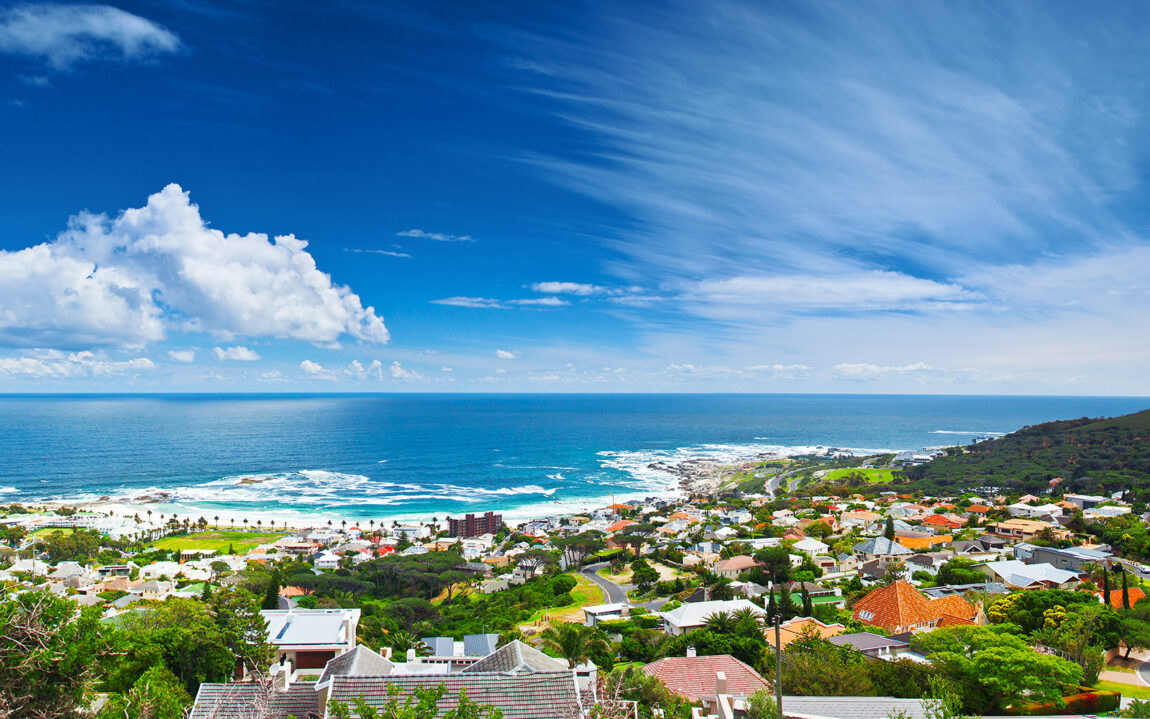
(381, 456)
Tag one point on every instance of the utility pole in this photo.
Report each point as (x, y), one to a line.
(778, 667)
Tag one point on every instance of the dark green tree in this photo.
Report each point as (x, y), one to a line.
(888, 531)
(272, 593)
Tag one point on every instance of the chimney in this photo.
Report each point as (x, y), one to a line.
(720, 684)
(284, 676)
(411, 657)
(690, 651)
(387, 652)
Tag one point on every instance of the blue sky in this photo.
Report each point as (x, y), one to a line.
(593, 197)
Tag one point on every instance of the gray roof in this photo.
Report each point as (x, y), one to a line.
(479, 645)
(881, 545)
(360, 660)
(243, 700)
(548, 695)
(853, 707)
(516, 658)
(440, 646)
(866, 641)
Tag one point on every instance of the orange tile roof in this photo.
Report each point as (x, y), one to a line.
(900, 607)
(978, 508)
(793, 629)
(923, 542)
(1136, 593)
(694, 677)
(290, 591)
(621, 524)
(939, 520)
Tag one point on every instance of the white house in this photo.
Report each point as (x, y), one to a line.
(693, 615)
(327, 560)
(308, 638)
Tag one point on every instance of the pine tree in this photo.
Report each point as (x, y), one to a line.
(772, 608)
(1105, 584)
(808, 606)
(889, 531)
(1125, 592)
(207, 593)
(787, 608)
(272, 596)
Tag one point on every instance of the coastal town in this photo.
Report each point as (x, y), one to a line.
(768, 588)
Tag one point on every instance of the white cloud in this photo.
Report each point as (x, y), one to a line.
(875, 290)
(541, 302)
(567, 288)
(398, 372)
(446, 369)
(435, 236)
(506, 354)
(53, 364)
(474, 302)
(238, 353)
(865, 371)
(66, 35)
(125, 281)
(488, 303)
(317, 371)
(389, 253)
(185, 356)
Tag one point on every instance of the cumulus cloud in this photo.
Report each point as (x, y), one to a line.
(66, 35)
(52, 364)
(505, 354)
(435, 236)
(397, 371)
(239, 353)
(126, 281)
(182, 355)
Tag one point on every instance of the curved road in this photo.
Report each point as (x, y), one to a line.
(612, 593)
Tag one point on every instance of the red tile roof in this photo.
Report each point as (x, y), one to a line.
(900, 607)
(694, 677)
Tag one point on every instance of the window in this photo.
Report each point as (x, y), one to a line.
(866, 615)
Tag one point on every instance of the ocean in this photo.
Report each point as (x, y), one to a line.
(299, 458)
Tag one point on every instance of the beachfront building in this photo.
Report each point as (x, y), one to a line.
(473, 526)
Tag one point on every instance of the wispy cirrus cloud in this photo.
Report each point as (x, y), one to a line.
(435, 236)
(67, 35)
(388, 253)
(489, 303)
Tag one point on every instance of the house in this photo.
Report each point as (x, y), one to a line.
(899, 608)
(692, 615)
(1018, 575)
(811, 546)
(796, 628)
(873, 645)
(924, 542)
(1025, 530)
(733, 567)
(592, 616)
(156, 589)
(1071, 559)
(942, 521)
(308, 638)
(327, 560)
(693, 677)
(879, 548)
(159, 570)
(1032, 511)
(1084, 501)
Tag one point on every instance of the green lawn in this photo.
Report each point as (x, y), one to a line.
(41, 533)
(240, 541)
(875, 475)
(1137, 691)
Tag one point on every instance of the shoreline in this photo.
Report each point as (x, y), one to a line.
(701, 471)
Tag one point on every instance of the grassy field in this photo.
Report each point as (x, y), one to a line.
(41, 533)
(876, 475)
(220, 541)
(1129, 690)
(586, 594)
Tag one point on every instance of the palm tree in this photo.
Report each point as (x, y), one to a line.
(721, 590)
(747, 620)
(720, 622)
(371, 523)
(245, 522)
(217, 521)
(343, 524)
(402, 641)
(574, 642)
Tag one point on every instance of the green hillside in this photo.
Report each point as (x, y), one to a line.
(1091, 455)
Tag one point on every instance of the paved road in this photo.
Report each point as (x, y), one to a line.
(612, 593)
(1144, 673)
